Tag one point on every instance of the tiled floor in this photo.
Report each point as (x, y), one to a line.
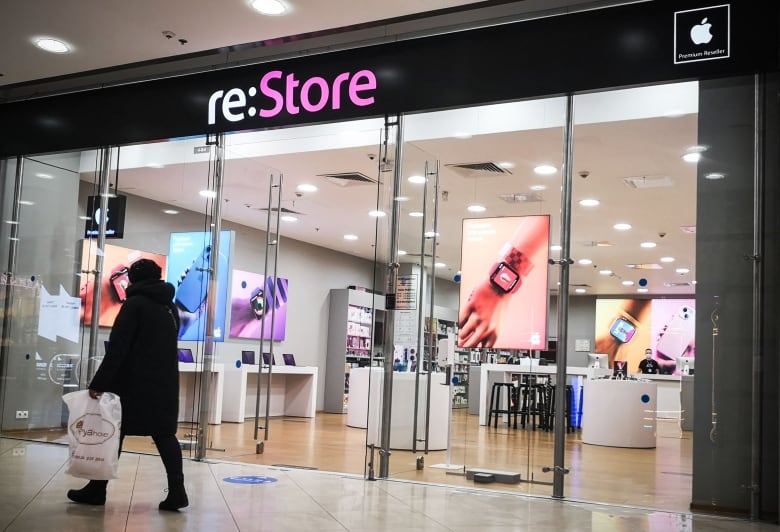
(33, 486)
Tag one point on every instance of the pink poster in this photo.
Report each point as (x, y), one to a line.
(503, 289)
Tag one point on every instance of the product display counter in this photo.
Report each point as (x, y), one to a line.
(364, 411)
(669, 398)
(189, 383)
(619, 413)
(293, 392)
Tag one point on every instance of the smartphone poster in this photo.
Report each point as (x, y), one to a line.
(504, 295)
(189, 270)
(674, 332)
(255, 302)
(116, 262)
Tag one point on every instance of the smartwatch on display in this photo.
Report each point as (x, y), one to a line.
(622, 330)
(506, 275)
(257, 302)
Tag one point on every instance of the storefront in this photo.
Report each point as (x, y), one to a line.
(571, 91)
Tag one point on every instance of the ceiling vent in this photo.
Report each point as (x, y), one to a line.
(688, 229)
(648, 181)
(477, 169)
(521, 197)
(647, 266)
(283, 210)
(349, 179)
(598, 244)
(675, 285)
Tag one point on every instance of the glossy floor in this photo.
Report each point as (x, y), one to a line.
(33, 485)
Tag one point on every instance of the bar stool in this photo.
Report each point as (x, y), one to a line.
(496, 403)
(568, 414)
(532, 401)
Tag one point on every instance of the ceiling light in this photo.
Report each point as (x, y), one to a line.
(416, 214)
(585, 262)
(402, 198)
(667, 259)
(589, 202)
(288, 218)
(377, 214)
(350, 237)
(208, 193)
(648, 245)
(714, 175)
(506, 165)
(401, 252)
(641, 290)
(26, 202)
(170, 211)
(54, 46)
(621, 227)
(682, 271)
(305, 187)
(555, 247)
(44, 176)
(269, 7)
(605, 272)
(693, 154)
(545, 169)
(417, 179)
(537, 188)
(476, 208)
(628, 283)
(580, 290)
(431, 234)
(440, 265)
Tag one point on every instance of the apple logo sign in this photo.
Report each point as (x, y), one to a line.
(700, 33)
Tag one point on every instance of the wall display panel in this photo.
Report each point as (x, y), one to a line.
(189, 259)
(116, 264)
(626, 327)
(503, 288)
(253, 296)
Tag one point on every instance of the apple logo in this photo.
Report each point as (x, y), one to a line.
(700, 33)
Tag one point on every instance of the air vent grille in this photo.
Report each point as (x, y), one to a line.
(646, 266)
(486, 169)
(648, 181)
(521, 197)
(348, 179)
(283, 210)
(674, 285)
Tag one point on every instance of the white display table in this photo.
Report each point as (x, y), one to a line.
(365, 412)
(619, 413)
(189, 386)
(669, 397)
(293, 392)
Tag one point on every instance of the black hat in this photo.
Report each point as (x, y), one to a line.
(143, 269)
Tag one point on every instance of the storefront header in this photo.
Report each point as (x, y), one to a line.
(635, 44)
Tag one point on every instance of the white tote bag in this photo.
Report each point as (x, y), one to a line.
(93, 435)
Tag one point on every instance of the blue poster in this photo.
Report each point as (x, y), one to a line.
(189, 260)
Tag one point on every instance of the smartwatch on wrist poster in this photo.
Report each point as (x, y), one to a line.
(504, 297)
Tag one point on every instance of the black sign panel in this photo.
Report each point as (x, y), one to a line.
(702, 34)
(115, 217)
(627, 45)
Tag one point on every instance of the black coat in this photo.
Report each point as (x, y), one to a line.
(141, 363)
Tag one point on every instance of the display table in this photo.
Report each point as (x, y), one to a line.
(189, 387)
(619, 413)
(365, 412)
(669, 399)
(490, 373)
(293, 392)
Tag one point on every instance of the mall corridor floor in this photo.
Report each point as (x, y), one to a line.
(228, 496)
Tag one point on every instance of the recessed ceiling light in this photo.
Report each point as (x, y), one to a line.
(402, 198)
(305, 187)
(377, 214)
(417, 179)
(714, 175)
(585, 262)
(208, 193)
(350, 237)
(641, 290)
(545, 169)
(416, 214)
(289, 218)
(431, 234)
(506, 164)
(621, 227)
(589, 202)
(54, 46)
(667, 259)
(580, 290)
(170, 211)
(476, 208)
(628, 283)
(269, 7)
(537, 188)
(26, 202)
(555, 247)
(605, 272)
(44, 176)
(693, 154)
(682, 271)
(401, 252)
(648, 245)
(440, 265)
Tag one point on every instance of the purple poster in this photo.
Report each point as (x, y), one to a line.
(253, 296)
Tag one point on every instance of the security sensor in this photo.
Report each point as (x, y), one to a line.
(584, 174)
(299, 194)
(661, 234)
(372, 156)
(168, 34)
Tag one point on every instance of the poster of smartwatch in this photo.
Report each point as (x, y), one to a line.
(673, 332)
(189, 260)
(504, 296)
(116, 262)
(623, 330)
(253, 296)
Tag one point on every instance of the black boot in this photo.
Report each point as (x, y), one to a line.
(177, 496)
(93, 493)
